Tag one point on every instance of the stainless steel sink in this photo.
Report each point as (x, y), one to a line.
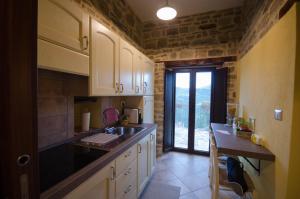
(123, 130)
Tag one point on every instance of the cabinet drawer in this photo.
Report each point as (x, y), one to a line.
(129, 189)
(127, 175)
(124, 160)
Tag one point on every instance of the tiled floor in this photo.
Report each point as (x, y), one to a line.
(190, 172)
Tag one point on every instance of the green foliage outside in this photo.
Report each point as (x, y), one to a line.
(202, 107)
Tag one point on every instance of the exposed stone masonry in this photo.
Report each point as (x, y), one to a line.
(258, 16)
(122, 15)
(209, 34)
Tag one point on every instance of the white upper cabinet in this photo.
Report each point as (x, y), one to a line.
(64, 23)
(104, 61)
(63, 36)
(138, 72)
(127, 52)
(148, 77)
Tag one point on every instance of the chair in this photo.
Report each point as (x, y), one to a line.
(218, 176)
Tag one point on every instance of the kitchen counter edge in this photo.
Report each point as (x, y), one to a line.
(70, 183)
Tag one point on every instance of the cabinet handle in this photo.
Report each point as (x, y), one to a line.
(137, 89)
(113, 173)
(151, 137)
(122, 88)
(85, 42)
(128, 154)
(117, 87)
(145, 87)
(127, 172)
(139, 148)
(128, 189)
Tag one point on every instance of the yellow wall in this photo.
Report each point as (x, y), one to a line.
(266, 76)
(293, 191)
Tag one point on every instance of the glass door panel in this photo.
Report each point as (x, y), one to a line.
(202, 111)
(182, 95)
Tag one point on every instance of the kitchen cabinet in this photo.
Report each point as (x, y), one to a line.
(148, 109)
(125, 177)
(63, 37)
(152, 150)
(143, 163)
(100, 185)
(138, 72)
(126, 183)
(148, 76)
(104, 61)
(127, 53)
(126, 172)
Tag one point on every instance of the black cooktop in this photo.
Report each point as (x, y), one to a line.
(60, 162)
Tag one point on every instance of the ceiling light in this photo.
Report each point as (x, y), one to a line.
(166, 12)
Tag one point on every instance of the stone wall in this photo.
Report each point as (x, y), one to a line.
(211, 34)
(119, 12)
(258, 16)
(159, 74)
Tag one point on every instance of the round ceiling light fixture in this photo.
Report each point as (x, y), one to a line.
(166, 13)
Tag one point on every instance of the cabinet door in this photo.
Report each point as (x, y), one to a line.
(148, 77)
(138, 73)
(148, 109)
(99, 186)
(152, 158)
(104, 61)
(64, 23)
(143, 163)
(126, 68)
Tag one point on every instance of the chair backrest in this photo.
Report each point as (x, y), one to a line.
(215, 169)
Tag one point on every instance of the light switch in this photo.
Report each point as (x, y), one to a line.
(278, 114)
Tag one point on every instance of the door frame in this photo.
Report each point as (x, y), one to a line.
(192, 109)
(18, 102)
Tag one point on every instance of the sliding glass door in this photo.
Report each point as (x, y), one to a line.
(192, 110)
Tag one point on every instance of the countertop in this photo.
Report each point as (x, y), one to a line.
(229, 143)
(115, 149)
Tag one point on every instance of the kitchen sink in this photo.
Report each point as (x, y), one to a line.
(123, 130)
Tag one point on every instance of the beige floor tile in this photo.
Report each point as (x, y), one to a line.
(189, 196)
(163, 176)
(196, 181)
(178, 183)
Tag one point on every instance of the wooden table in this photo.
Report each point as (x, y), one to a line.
(229, 143)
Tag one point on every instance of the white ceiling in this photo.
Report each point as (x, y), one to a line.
(146, 9)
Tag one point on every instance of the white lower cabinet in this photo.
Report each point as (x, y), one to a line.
(152, 150)
(126, 183)
(100, 186)
(143, 163)
(125, 177)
